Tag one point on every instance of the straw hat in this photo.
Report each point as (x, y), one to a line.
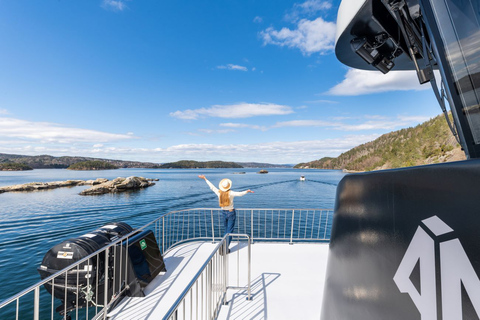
(225, 184)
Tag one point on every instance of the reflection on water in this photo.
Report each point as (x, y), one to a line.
(31, 223)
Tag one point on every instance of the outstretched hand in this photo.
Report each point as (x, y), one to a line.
(201, 176)
(250, 191)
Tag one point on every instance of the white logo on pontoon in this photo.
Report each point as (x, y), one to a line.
(456, 269)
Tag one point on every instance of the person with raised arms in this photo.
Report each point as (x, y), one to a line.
(225, 199)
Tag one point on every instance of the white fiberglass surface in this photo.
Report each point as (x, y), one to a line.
(346, 12)
(182, 264)
(287, 282)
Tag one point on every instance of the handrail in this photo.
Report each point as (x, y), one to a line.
(177, 227)
(176, 304)
(249, 262)
(221, 246)
(66, 269)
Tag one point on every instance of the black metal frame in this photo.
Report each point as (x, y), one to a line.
(471, 149)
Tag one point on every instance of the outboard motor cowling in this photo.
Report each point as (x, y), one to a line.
(115, 230)
(68, 252)
(84, 285)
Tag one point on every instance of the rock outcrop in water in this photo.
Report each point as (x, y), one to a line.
(100, 185)
(118, 185)
(34, 186)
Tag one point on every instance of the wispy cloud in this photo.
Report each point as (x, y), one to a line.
(307, 8)
(258, 19)
(359, 82)
(46, 132)
(273, 152)
(372, 123)
(243, 125)
(309, 37)
(304, 123)
(240, 110)
(4, 111)
(233, 67)
(221, 131)
(114, 5)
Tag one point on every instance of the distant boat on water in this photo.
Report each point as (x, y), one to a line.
(262, 171)
(302, 178)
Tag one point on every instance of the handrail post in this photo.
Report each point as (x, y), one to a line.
(326, 225)
(251, 230)
(249, 271)
(209, 289)
(225, 275)
(36, 304)
(291, 230)
(213, 229)
(163, 235)
(105, 277)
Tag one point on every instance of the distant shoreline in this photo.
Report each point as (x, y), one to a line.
(51, 162)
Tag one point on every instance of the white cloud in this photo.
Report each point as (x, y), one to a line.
(273, 152)
(4, 111)
(233, 67)
(358, 82)
(304, 123)
(309, 36)
(53, 133)
(375, 116)
(417, 119)
(258, 19)
(307, 8)
(240, 110)
(243, 125)
(374, 122)
(114, 5)
(210, 131)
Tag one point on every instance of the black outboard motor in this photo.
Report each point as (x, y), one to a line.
(77, 287)
(68, 252)
(115, 230)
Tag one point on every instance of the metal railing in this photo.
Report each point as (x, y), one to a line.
(212, 279)
(292, 225)
(102, 290)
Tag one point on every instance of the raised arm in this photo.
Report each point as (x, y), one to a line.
(242, 193)
(212, 187)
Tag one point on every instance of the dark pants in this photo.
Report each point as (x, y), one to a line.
(229, 218)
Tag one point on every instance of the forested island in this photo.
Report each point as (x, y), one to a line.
(427, 143)
(191, 164)
(12, 166)
(50, 162)
(92, 165)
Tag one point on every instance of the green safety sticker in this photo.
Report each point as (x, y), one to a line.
(143, 244)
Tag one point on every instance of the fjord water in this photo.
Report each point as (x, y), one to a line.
(32, 222)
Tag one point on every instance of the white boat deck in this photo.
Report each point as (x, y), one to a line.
(287, 282)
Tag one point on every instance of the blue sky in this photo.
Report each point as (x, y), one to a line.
(161, 81)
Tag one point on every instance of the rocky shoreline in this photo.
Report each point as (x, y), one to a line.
(99, 186)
